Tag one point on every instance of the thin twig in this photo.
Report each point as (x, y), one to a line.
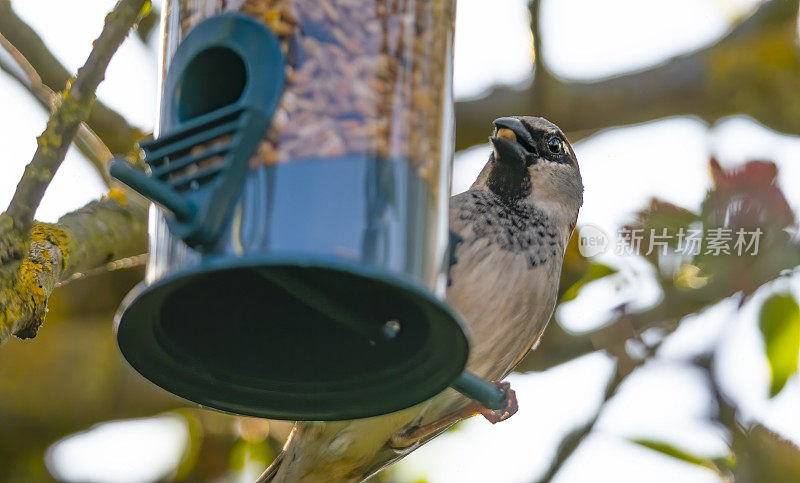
(90, 145)
(109, 125)
(74, 106)
(121, 264)
(571, 442)
(624, 367)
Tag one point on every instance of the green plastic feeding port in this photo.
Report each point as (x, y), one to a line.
(298, 241)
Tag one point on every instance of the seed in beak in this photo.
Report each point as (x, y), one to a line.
(504, 132)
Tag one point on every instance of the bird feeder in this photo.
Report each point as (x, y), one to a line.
(298, 241)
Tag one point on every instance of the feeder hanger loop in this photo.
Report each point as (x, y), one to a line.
(221, 329)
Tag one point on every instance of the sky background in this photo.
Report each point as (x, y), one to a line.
(582, 39)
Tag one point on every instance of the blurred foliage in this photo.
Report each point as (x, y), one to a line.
(692, 277)
(779, 322)
(680, 454)
(745, 200)
(148, 25)
(763, 456)
(70, 377)
(593, 271)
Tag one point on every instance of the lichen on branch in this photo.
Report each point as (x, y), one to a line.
(26, 296)
(33, 260)
(109, 229)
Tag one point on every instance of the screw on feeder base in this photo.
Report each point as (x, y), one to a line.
(391, 328)
(486, 393)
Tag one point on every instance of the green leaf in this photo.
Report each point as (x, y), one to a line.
(146, 8)
(191, 451)
(779, 322)
(595, 271)
(677, 453)
(244, 452)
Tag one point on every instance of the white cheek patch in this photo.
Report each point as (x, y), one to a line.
(571, 153)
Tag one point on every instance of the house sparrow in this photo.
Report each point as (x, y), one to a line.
(513, 224)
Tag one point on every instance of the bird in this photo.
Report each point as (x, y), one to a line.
(512, 226)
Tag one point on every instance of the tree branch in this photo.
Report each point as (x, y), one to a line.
(25, 285)
(73, 109)
(559, 346)
(624, 367)
(100, 232)
(110, 126)
(754, 70)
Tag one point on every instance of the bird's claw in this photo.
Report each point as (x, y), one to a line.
(510, 407)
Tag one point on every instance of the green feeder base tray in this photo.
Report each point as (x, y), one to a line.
(292, 339)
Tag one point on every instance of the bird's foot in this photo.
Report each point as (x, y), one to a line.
(408, 439)
(510, 407)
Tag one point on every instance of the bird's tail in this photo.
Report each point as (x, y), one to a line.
(270, 474)
(309, 456)
(304, 458)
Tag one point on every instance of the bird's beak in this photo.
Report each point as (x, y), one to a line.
(508, 151)
(515, 126)
(512, 142)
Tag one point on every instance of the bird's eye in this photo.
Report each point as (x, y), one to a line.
(555, 146)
